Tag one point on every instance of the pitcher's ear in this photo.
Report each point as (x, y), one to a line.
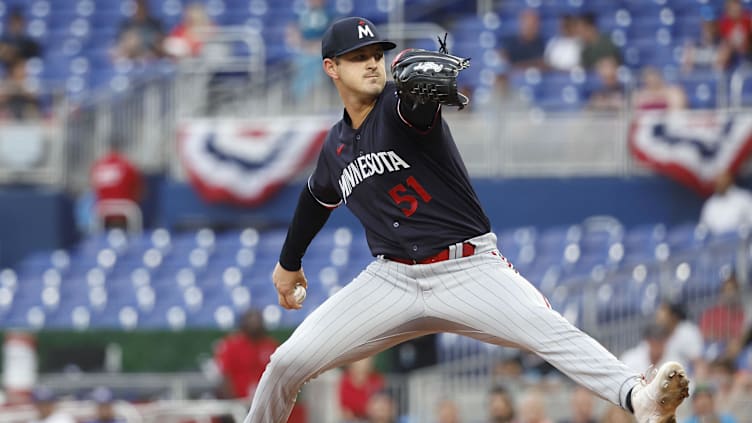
(330, 68)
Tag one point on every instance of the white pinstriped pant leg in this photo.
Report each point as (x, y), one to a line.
(499, 306)
(370, 314)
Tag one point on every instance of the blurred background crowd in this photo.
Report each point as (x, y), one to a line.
(142, 207)
(568, 55)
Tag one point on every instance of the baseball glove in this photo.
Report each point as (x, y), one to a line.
(429, 76)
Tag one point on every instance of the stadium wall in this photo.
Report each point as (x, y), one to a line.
(33, 219)
(542, 202)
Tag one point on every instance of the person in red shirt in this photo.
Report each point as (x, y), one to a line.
(188, 37)
(734, 28)
(724, 321)
(243, 356)
(359, 382)
(115, 177)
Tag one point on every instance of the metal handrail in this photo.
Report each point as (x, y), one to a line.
(255, 64)
(738, 78)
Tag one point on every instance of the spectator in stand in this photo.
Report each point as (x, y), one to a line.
(115, 177)
(15, 44)
(684, 343)
(509, 370)
(650, 351)
(17, 100)
(525, 49)
(707, 52)
(304, 38)
(721, 377)
(724, 321)
(595, 45)
(656, 94)
(381, 408)
(582, 407)
(614, 414)
(358, 384)
(45, 401)
(729, 208)
(188, 37)
(736, 347)
(141, 36)
(742, 390)
(734, 27)
(447, 412)
(105, 412)
(703, 407)
(610, 95)
(129, 47)
(243, 356)
(564, 50)
(532, 407)
(501, 407)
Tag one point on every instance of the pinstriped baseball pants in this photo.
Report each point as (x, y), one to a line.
(479, 296)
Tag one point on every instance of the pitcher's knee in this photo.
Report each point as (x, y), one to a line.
(288, 366)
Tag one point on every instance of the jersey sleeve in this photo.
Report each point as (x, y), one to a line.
(321, 185)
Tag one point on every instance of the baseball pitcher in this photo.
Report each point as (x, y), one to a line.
(392, 161)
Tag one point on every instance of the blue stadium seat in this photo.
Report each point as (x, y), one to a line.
(509, 10)
(686, 236)
(644, 10)
(584, 266)
(625, 299)
(555, 239)
(373, 10)
(234, 16)
(648, 51)
(17, 316)
(603, 7)
(701, 89)
(688, 28)
(645, 243)
(597, 243)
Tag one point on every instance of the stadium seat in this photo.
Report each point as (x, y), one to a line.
(554, 240)
(686, 236)
(701, 90)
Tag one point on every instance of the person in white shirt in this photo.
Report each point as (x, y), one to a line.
(563, 50)
(650, 351)
(729, 208)
(45, 401)
(685, 343)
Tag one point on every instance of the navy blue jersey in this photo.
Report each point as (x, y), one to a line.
(408, 188)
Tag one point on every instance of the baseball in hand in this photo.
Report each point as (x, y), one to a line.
(299, 294)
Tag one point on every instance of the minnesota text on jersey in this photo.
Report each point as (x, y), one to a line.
(366, 166)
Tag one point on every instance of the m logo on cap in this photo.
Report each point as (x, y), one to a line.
(364, 30)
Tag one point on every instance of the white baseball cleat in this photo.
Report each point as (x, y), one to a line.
(656, 401)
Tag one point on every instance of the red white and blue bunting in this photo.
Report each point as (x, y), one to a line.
(246, 161)
(692, 147)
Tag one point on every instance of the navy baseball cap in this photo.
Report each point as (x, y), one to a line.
(348, 34)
